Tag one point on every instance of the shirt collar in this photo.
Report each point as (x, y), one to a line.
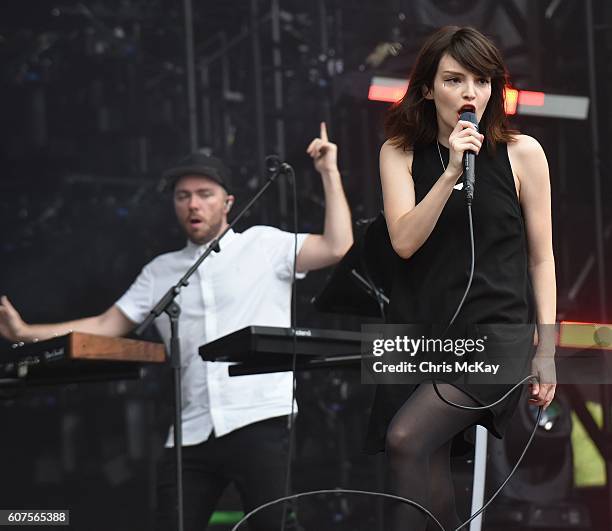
(195, 249)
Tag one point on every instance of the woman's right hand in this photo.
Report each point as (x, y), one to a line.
(12, 325)
(465, 137)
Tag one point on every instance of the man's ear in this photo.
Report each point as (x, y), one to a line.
(427, 93)
(229, 201)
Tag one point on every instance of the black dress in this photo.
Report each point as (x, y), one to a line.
(428, 286)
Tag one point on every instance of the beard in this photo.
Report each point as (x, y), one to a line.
(207, 233)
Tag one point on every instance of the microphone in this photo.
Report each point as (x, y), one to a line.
(469, 160)
(274, 166)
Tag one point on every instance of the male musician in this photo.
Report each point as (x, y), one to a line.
(234, 428)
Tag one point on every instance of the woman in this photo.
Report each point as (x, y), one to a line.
(459, 69)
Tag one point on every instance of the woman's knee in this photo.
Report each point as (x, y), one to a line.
(405, 442)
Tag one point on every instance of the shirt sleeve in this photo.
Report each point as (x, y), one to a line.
(284, 250)
(137, 301)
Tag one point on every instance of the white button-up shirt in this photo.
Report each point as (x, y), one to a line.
(247, 283)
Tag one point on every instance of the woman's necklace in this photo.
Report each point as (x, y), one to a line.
(440, 153)
(458, 186)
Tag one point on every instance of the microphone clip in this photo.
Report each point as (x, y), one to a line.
(275, 167)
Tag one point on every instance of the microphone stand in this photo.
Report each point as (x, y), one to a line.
(170, 307)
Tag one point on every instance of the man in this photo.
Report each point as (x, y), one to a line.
(234, 429)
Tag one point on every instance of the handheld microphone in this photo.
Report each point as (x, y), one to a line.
(469, 160)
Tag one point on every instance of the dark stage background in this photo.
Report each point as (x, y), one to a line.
(93, 99)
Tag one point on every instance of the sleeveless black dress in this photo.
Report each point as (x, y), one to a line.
(428, 286)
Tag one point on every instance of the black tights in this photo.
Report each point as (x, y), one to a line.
(418, 456)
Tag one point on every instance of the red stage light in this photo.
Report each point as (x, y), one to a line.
(511, 97)
(526, 102)
(533, 99)
(386, 93)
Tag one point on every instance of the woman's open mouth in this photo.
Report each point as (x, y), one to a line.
(466, 108)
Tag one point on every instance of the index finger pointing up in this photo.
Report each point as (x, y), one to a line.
(324, 132)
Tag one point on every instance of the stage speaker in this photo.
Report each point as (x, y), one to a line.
(546, 473)
(539, 495)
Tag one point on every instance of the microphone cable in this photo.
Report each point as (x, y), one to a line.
(472, 264)
(406, 500)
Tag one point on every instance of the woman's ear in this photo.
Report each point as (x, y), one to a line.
(427, 93)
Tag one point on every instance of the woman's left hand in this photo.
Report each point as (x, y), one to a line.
(542, 391)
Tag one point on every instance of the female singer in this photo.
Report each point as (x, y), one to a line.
(459, 69)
